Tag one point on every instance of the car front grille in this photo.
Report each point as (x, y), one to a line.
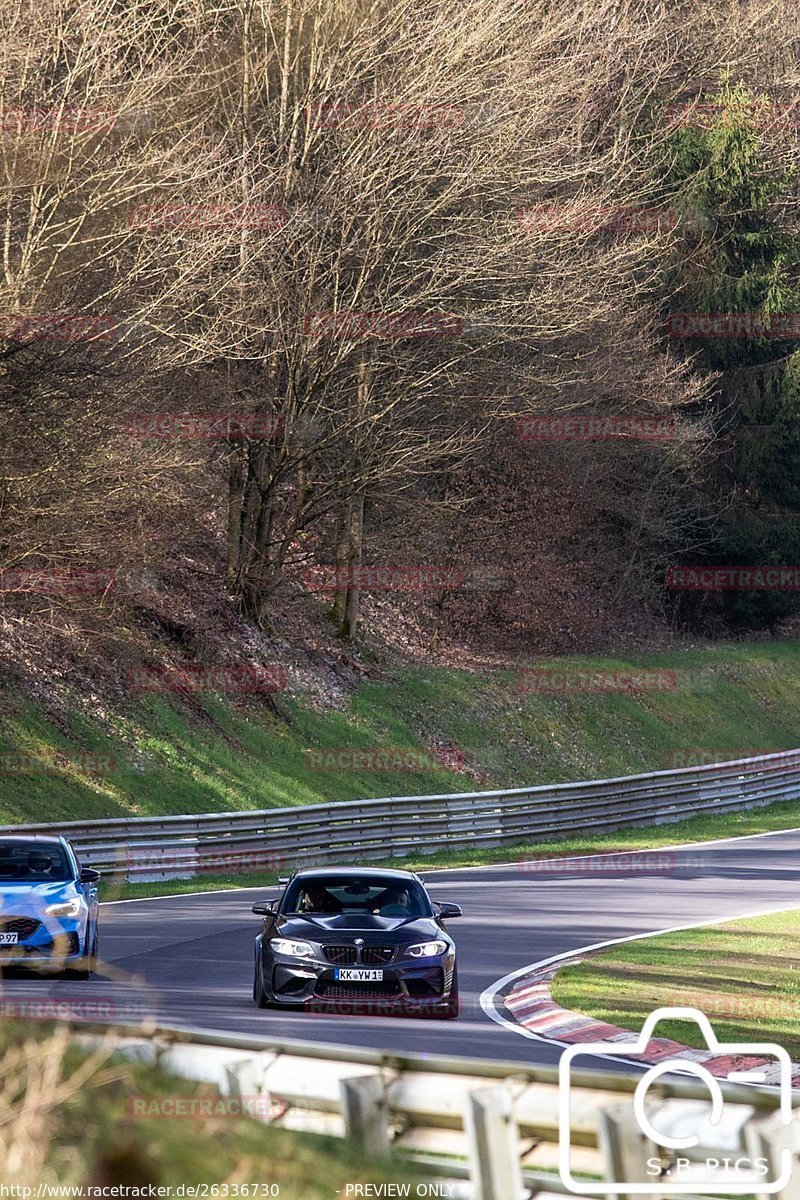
(377, 954)
(340, 954)
(358, 991)
(24, 927)
(345, 956)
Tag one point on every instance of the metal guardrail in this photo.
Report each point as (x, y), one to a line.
(147, 848)
(493, 1124)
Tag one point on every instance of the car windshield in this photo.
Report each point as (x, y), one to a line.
(325, 896)
(24, 862)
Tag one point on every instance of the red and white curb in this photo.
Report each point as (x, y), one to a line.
(531, 1006)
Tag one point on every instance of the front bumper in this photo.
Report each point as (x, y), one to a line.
(53, 946)
(408, 985)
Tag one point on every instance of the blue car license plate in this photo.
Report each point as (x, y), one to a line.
(357, 975)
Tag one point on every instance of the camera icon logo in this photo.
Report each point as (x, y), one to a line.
(753, 1172)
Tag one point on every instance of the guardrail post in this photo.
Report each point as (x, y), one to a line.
(365, 1112)
(243, 1078)
(624, 1147)
(493, 1144)
(768, 1137)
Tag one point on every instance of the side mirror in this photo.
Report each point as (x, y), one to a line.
(446, 911)
(265, 908)
(89, 875)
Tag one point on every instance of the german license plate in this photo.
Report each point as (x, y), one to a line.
(9, 939)
(357, 975)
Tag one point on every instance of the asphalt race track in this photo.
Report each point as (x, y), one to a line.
(187, 960)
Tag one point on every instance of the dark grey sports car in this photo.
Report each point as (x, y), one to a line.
(359, 941)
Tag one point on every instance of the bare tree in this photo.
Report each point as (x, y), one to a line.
(378, 226)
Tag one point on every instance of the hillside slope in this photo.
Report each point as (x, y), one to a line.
(469, 729)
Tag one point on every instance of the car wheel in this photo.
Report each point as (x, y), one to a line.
(259, 991)
(83, 972)
(95, 951)
(90, 962)
(452, 1006)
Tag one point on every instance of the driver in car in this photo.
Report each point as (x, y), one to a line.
(40, 864)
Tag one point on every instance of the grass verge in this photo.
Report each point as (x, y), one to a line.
(155, 757)
(744, 975)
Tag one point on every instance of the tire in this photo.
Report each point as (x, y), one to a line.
(90, 962)
(453, 1005)
(94, 952)
(259, 991)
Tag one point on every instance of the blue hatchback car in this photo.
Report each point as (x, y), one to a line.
(48, 906)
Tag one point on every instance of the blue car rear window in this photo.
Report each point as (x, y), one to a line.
(20, 862)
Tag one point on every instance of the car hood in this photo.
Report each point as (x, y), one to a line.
(22, 898)
(326, 929)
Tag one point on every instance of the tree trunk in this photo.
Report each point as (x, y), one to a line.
(350, 622)
(342, 559)
(256, 461)
(235, 501)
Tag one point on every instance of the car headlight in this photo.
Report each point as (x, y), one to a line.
(295, 949)
(66, 908)
(427, 949)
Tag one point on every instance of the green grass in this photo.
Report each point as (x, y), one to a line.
(92, 1131)
(744, 975)
(210, 755)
